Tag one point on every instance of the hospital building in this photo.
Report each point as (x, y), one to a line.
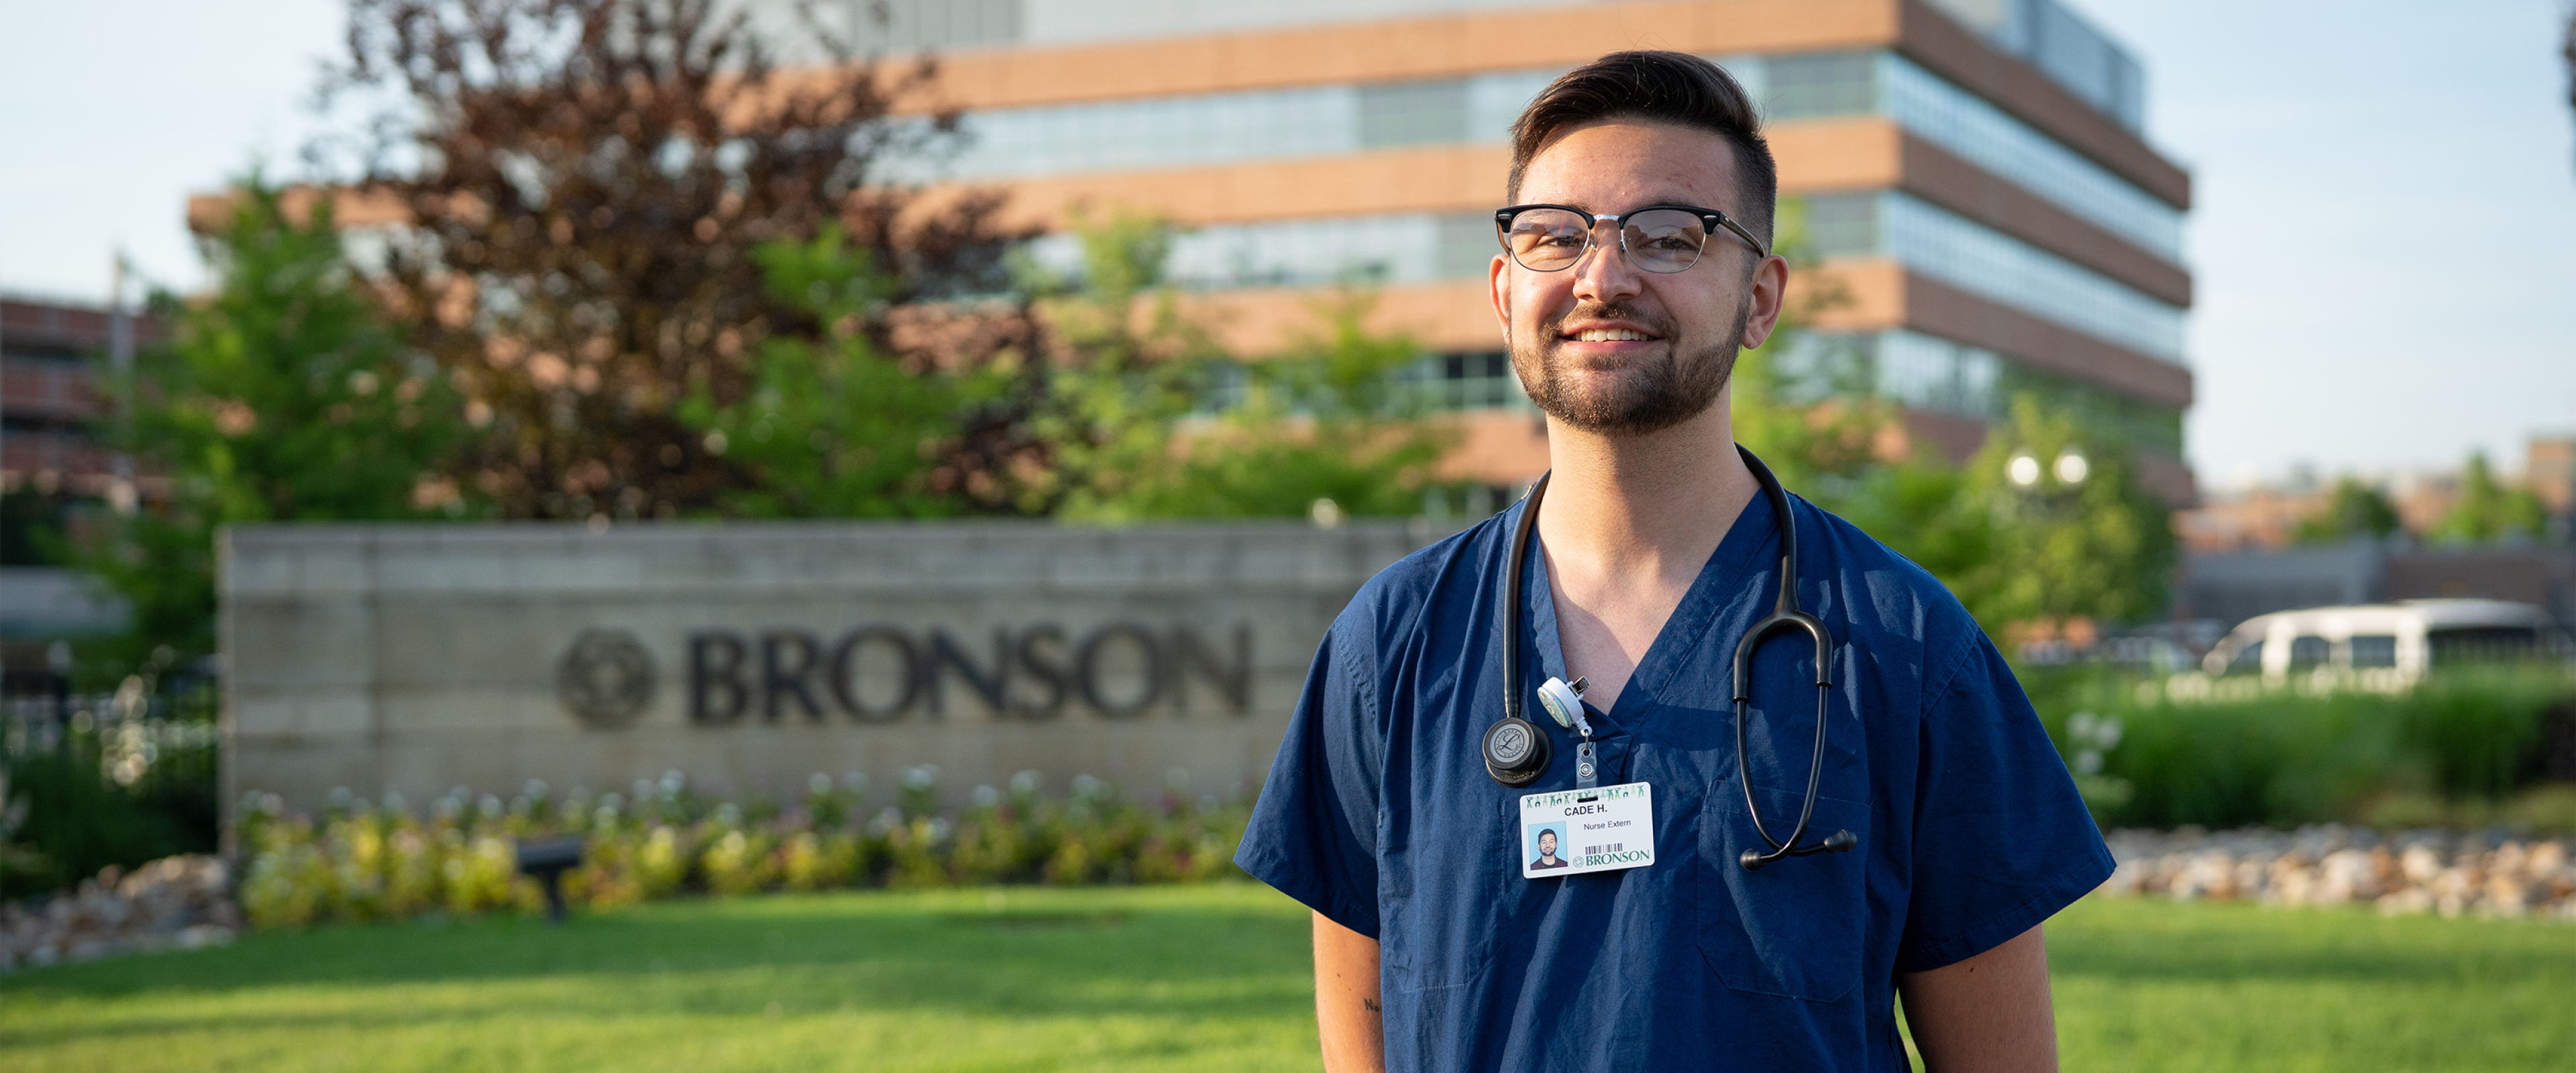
(1973, 173)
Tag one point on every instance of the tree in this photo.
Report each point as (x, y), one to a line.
(1144, 415)
(1327, 419)
(2567, 49)
(2353, 510)
(580, 186)
(832, 427)
(2487, 511)
(282, 396)
(2096, 547)
(2073, 533)
(1124, 367)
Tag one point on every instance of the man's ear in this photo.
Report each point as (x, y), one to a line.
(1498, 282)
(1770, 297)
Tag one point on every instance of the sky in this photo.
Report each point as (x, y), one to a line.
(2383, 235)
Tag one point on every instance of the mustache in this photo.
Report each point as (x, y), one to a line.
(1657, 323)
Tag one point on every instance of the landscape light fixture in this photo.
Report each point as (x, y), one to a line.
(2072, 468)
(548, 861)
(2023, 469)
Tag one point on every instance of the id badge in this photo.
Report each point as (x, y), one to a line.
(1570, 832)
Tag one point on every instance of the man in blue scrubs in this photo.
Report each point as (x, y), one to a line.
(1654, 553)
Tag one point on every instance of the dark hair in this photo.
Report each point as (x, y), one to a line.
(1665, 87)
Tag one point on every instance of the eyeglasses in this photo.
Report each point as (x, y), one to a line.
(1658, 238)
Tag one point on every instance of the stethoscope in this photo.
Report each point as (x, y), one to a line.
(1516, 751)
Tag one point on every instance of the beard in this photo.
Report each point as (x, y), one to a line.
(1649, 393)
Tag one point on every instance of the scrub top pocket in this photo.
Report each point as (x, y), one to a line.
(1794, 928)
(1443, 900)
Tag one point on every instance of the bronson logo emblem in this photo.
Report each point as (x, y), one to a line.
(605, 679)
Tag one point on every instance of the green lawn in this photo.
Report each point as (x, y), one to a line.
(1169, 978)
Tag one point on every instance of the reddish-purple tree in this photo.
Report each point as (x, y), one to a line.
(575, 188)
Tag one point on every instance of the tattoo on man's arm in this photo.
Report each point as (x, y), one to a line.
(1371, 1005)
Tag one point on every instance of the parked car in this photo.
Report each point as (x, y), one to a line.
(2403, 639)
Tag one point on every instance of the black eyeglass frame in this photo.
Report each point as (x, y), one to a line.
(1710, 219)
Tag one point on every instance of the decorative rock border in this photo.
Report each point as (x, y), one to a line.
(176, 903)
(2431, 871)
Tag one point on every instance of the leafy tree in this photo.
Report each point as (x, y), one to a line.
(576, 189)
(2354, 509)
(2567, 50)
(833, 427)
(1328, 419)
(2487, 510)
(1125, 367)
(1145, 416)
(2101, 547)
(282, 396)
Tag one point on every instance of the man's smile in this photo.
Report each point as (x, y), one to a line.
(1606, 338)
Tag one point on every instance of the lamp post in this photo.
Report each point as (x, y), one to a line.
(2046, 495)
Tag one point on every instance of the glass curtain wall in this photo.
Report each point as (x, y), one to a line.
(1335, 120)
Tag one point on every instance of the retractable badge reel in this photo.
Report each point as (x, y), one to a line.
(1564, 703)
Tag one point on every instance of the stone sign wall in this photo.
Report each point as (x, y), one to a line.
(414, 658)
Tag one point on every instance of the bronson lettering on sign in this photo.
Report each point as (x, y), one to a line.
(881, 674)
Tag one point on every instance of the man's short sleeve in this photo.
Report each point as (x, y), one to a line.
(1314, 832)
(2001, 839)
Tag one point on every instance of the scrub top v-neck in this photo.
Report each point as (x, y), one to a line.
(1378, 813)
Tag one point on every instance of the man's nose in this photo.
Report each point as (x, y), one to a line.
(1604, 274)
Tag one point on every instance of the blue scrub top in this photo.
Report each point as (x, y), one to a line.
(1379, 814)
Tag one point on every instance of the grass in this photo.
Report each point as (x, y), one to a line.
(2151, 985)
(1169, 978)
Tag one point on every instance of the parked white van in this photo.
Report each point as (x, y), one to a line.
(2399, 641)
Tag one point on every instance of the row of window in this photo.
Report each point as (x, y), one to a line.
(1481, 380)
(1396, 248)
(1918, 370)
(2046, 33)
(1983, 261)
(1313, 121)
(1939, 375)
(1419, 247)
(1164, 132)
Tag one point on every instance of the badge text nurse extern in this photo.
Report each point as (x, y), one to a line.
(1569, 832)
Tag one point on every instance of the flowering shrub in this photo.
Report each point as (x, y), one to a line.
(362, 860)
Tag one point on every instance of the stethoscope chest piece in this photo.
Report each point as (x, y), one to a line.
(1516, 751)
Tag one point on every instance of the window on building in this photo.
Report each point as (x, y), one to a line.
(1818, 84)
(1937, 374)
(1413, 113)
(1472, 380)
(1843, 225)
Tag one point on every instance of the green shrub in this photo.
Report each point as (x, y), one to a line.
(361, 861)
(2239, 754)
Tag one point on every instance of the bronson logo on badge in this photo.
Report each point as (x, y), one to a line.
(1634, 856)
